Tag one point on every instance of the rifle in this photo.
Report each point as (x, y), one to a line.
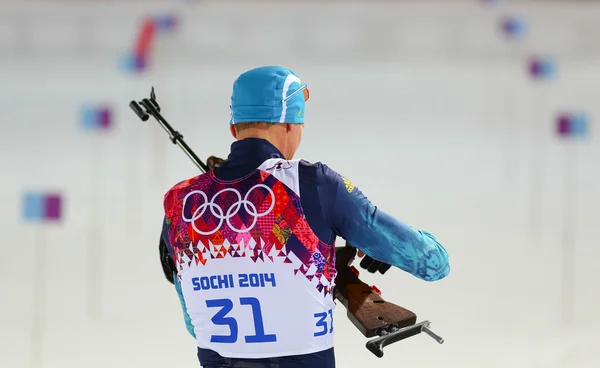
(366, 309)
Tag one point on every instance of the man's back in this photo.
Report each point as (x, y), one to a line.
(255, 280)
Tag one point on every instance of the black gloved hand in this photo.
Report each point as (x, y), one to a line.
(373, 265)
(167, 263)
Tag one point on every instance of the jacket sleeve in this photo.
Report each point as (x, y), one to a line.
(352, 216)
(170, 271)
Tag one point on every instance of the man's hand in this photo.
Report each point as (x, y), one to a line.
(372, 265)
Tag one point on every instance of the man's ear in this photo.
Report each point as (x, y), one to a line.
(233, 131)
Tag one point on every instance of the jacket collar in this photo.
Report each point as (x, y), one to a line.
(245, 156)
(253, 149)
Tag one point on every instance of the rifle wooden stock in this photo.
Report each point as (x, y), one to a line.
(367, 310)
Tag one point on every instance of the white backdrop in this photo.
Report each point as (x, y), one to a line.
(439, 126)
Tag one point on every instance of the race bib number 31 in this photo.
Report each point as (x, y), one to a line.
(221, 318)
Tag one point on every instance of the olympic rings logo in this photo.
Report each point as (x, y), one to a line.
(217, 211)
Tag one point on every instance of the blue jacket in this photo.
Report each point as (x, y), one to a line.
(335, 207)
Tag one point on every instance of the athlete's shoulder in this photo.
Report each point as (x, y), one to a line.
(323, 174)
(319, 168)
